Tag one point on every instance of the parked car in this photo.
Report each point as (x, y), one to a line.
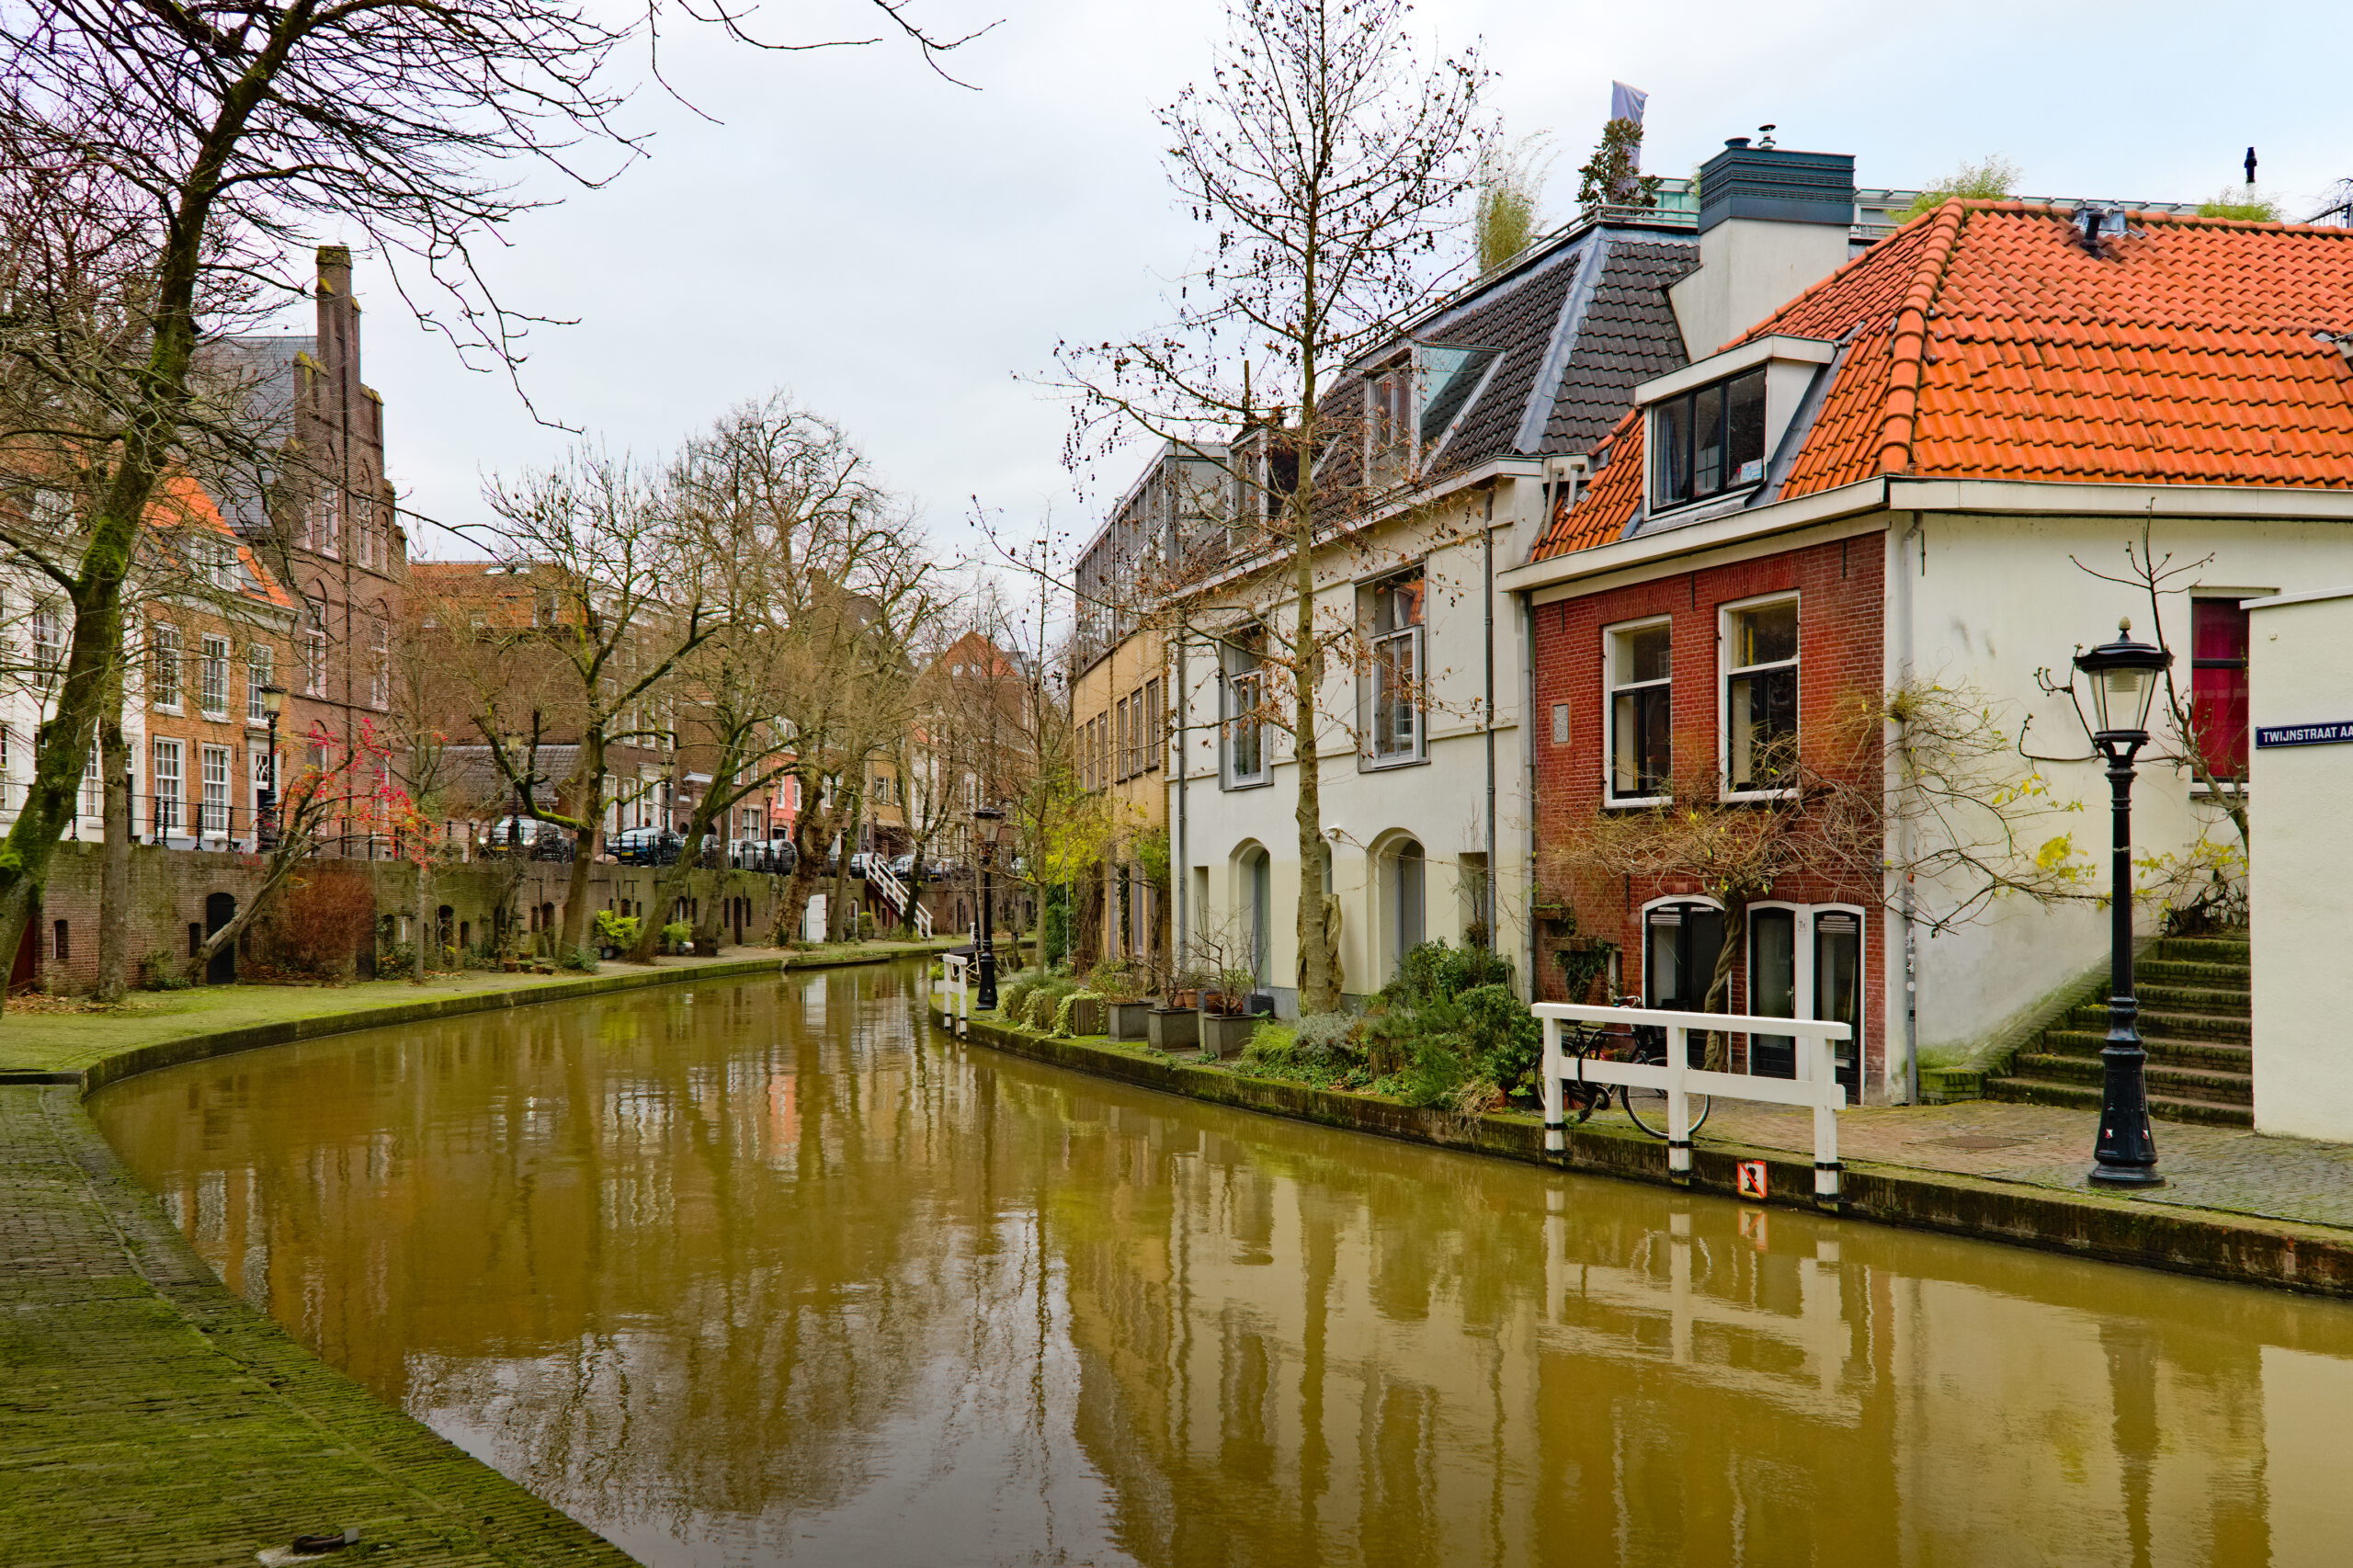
(775, 856)
(529, 837)
(903, 868)
(645, 847)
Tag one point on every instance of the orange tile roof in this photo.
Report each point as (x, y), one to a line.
(1984, 342)
(180, 502)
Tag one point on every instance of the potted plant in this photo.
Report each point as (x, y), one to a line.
(1124, 1008)
(1226, 1022)
(1177, 1025)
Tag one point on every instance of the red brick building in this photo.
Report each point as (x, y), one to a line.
(1925, 473)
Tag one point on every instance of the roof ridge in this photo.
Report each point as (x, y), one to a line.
(1908, 340)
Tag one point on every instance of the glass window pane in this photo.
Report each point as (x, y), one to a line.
(1662, 932)
(1839, 988)
(1643, 654)
(1671, 432)
(1765, 635)
(1761, 728)
(1773, 989)
(1708, 441)
(1745, 429)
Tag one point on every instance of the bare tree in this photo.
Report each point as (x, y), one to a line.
(1328, 162)
(822, 584)
(211, 140)
(1923, 788)
(618, 597)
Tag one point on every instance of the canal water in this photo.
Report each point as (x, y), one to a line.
(767, 1272)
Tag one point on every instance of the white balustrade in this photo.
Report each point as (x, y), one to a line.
(1816, 1085)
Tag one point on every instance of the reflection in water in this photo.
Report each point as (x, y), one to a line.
(765, 1273)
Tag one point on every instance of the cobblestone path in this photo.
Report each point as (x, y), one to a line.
(149, 1416)
(2225, 1168)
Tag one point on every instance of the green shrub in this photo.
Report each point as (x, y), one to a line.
(617, 930)
(1013, 1001)
(866, 926)
(1046, 999)
(1118, 980)
(678, 936)
(1500, 1037)
(1062, 1008)
(583, 959)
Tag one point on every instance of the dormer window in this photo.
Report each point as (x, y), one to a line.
(1708, 440)
(1412, 403)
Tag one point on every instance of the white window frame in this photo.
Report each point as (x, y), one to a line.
(166, 656)
(1805, 920)
(261, 669)
(1390, 416)
(51, 643)
(1610, 688)
(213, 777)
(1229, 705)
(1726, 671)
(1687, 397)
(1413, 639)
(212, 675)
(164, 822)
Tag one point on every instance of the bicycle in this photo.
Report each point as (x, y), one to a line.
(1646, 1109)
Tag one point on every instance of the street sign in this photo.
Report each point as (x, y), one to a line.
(1751, 1178)
(2335, 732)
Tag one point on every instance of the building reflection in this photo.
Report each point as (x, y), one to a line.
(760, 1276)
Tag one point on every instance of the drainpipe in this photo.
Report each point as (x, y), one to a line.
(1900, 636)
(1487, 652)
(1180, 875)
(1525, 610)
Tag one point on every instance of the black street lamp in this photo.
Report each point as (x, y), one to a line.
(986, 822)
(273, 700)
(2123, 675)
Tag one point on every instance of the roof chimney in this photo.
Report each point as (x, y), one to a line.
(1772, 223)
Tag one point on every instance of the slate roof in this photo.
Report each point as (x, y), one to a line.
(1580, 321)
(1983, 341)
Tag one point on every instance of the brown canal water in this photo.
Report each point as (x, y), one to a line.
(767, 1272)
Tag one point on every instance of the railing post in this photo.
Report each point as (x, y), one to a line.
(1826, 1169)
(1679, 1105)
(1556, 1126)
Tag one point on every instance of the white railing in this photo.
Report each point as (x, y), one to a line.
(955, 992)
(894, 893)
(1816, 1085)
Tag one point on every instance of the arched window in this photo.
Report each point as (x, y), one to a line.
(1404, 881)
(1258, 910)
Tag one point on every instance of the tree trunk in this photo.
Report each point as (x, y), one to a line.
(836, 913)
(1719, 1000)
(588, 841)
(1319, 990)
(417, 965)
(668, 886)
(114, 866)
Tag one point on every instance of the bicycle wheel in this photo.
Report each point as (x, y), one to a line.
(1647, 1109)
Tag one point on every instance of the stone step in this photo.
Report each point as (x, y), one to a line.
(2075, 1096)
(2233, 949)
(2227, 1002)
(2220, 1055)
(2163, 1078)
(2169, 1025)
(2189, 972)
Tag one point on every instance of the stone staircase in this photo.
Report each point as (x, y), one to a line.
(2195, 1025)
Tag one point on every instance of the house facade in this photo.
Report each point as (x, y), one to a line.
(1926, 482)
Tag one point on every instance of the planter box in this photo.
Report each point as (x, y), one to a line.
(1224, 1034)
(1128, 1019)
(1086, 1016)
(1173, 1028)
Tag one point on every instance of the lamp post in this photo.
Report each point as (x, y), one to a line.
(273, 702)
(986, 822)
(2123, 676)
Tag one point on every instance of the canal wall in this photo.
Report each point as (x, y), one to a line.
(151, 1416)
(2238, 1248)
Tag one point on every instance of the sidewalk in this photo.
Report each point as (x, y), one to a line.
(2221, 1169)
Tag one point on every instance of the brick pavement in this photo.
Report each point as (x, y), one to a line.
(2227, 1169)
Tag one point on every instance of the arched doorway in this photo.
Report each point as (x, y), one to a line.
(1404, 888)
(219, 908)
(1258, 911)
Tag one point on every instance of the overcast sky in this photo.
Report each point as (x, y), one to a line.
(895, 250)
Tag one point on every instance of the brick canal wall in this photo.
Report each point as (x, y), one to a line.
(2241, 1249)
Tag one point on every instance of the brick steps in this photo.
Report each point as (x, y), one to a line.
(2196, 1028)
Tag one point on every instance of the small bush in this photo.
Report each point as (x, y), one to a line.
(1013, 1001)
(1045, 1001)
(581, 959)
(1116, 980)
(617, 930)
(677, 935)
(866, 926)
(1063, 1007)
(1500, 1037)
